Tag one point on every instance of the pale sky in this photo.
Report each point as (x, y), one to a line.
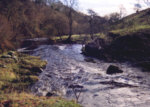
(103, 7)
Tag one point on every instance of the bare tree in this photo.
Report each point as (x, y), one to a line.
(61, 25)
(77, 90)
(113, 17)
(137, 7)
(91, 20)
(71, 4)
(122, 12)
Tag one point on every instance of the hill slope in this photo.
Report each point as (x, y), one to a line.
(20, 19)
(132, 23)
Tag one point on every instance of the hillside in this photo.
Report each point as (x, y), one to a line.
(132, 23)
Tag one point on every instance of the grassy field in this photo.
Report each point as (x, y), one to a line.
(81, 39)
(131, 30)
(28, 100)
(17, 73)
(74, 38)
(133, 23)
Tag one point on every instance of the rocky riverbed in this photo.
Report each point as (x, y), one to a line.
(75, 76)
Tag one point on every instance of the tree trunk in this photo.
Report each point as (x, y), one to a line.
(70, 24)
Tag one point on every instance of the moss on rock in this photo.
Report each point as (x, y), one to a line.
(23, 70)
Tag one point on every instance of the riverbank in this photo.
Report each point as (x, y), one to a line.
(18, 73)
(76, 39)
(133, 47)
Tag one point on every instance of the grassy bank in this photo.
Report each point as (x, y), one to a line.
(17, 73)
(81, 39)
(74, 38)
(131, 30)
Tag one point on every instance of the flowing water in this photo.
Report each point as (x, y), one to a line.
(75, 76)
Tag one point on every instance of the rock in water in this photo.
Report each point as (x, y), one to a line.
(73, 86)
(93, 48)
(113, 70)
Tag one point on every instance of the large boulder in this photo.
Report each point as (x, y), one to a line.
(94, 47)
(113, 70)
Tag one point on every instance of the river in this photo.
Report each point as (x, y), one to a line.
(74, 76)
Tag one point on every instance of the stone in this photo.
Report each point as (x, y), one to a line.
(113, 70)
(73, 86)
(90, 60)
(93, 48)
(49, 94)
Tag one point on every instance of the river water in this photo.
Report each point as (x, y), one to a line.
(74, 76)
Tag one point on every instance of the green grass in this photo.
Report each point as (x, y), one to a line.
(83, 38)
(74, 38)
(21, 70)
(132, 23)
(131, 30)
(28, 100)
